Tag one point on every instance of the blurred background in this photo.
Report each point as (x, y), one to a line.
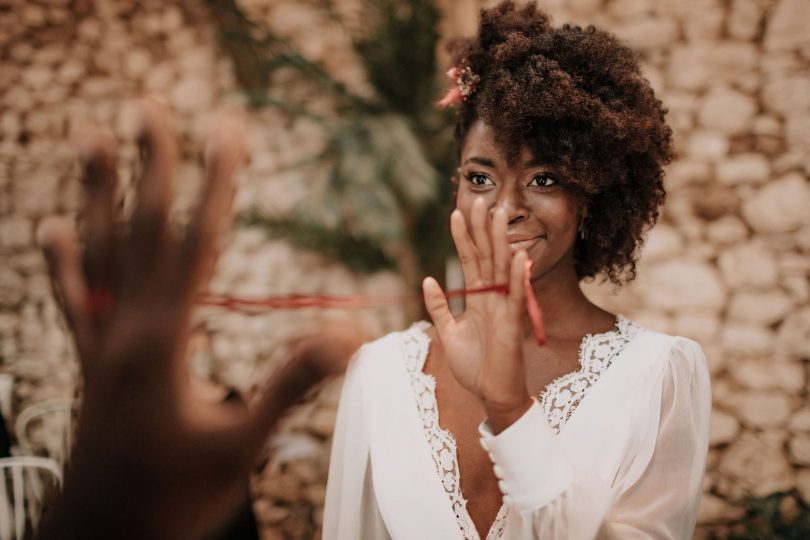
(348, 191)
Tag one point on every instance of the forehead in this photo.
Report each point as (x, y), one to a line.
(480, 142)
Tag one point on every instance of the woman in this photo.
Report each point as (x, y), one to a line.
(469, 428)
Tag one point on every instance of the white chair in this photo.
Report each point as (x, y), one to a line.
(20, 505)
(46, 428)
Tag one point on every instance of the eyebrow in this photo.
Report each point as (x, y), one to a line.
(489, 163)
(481, 161)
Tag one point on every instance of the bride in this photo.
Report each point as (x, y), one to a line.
(469, 428)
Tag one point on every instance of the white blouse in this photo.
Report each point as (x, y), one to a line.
(616, 449)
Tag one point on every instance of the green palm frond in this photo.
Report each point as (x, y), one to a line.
(396, 40)
(257, 53)
(403, 164)
(382, 148)
(766, 521)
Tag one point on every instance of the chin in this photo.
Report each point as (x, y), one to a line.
(546, 262)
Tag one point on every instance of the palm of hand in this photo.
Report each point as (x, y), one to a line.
(478, 334)
(483, 346)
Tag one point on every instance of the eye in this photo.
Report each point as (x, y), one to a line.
(543, 180)
(479, 180)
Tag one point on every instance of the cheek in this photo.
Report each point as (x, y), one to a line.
(465, 198)
(464, 204)
(559, 214)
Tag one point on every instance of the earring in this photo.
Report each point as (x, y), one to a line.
(583, 232)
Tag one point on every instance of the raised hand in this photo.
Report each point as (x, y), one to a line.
(150, 460)
(483, 347)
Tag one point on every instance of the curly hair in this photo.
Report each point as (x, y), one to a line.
(577, 99)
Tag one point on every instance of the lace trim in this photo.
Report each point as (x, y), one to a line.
(498, 526)
(596, 354)
(415, 345)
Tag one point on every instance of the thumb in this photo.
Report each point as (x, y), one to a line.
(436, 304)
(281, 392)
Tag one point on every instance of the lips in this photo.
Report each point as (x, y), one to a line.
(518, 242)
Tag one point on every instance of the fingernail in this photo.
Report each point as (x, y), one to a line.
(228, 135)
(47, 230)
(154, 112)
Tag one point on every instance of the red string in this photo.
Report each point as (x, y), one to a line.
(360, 301)
(535, 314)
(352, 301)
(99, 301)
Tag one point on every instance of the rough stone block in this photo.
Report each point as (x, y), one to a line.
(727, 230)
(765, 308)
(744, 19)
(787, 25)
(748, 265)
(793, 337)
(745, 340)
(726, 110)
(761, 409)
(787, 95)
(753, 465)
(723, 428)
(800, 449)
(16, 233)
(743, 169)
(780, 206)
(680, 284)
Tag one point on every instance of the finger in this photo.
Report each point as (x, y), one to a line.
(436, 304)
(331, 343)
(57, 238)
(285, 388)
(466, 249)
(483, 243)
(516, 305)
(100, 183)
(225, 151)
(500, 247)
(153, 189)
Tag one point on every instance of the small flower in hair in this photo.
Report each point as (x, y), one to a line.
(465, 83)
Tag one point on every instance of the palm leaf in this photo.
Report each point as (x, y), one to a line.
(765, 521)
(396, 40)
(257, 53)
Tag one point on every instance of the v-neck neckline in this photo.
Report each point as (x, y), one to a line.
(441, 441)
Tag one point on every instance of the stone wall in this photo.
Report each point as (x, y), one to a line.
(728, 264)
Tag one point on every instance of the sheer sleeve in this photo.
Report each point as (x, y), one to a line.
(656, 491)
(351, 510)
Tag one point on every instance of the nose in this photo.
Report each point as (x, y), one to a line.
(512, 202)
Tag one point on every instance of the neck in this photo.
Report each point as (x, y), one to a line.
(567, 312)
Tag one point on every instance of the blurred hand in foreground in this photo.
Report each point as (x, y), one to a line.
(151, 461)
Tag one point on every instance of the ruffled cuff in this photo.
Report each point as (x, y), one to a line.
(530, 464)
